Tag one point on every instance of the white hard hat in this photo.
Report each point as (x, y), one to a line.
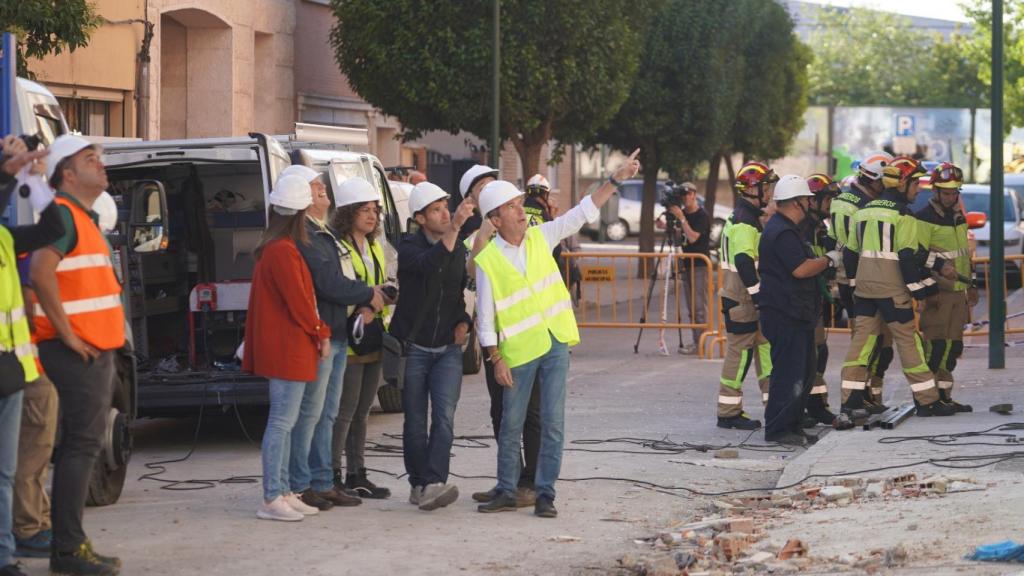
(356, 190)
(497, 193)
(872, 164)
(472, 175)
(62, 147)
(106, 208)
(538, 181)
(791, 186)
(304, 172)
(292, 193)
(423, 195)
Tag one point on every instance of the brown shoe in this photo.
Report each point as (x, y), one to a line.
(525, 497)
(339, 498)
(312, 498)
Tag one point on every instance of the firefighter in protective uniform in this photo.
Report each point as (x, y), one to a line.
(824, 189)
(744, 342)
(866, 187)
(889, 277)
(942, 230)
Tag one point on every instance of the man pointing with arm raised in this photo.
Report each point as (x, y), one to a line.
(526, 327)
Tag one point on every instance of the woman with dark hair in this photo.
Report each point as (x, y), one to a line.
(356, 223)
(284, 340)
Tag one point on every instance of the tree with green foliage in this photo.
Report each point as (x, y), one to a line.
(679, 110)
(979, 55)
(706, 89)
(864, 57)
(773, 98)
(47, 27)
(566, 67)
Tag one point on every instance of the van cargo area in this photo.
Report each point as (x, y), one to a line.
(216, 212)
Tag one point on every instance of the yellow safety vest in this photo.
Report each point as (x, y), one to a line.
(528, 307)
(361, 273)
(14, 331)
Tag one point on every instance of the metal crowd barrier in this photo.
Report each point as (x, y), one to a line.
(614, 289)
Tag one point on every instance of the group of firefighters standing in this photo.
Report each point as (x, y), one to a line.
(792, 244)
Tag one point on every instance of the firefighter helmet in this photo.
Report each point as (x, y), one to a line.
(947, 176)
(822, 185)
(901, 170)
(873, 164)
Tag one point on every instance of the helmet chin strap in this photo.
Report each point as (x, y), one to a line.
(761, 204)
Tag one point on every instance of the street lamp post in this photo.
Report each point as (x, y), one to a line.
(496, 103)
(997, 301)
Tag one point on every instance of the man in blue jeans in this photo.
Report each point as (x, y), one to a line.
(309, 467)
(527, 325)
(431, 319)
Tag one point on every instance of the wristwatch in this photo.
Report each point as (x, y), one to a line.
(614, 182)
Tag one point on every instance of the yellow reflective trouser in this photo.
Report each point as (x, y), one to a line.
(908, 345)
(740, 350)
(942, 324)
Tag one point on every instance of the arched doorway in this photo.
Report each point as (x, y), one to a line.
(195, 75)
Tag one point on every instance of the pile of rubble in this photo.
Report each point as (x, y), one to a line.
(732, 539)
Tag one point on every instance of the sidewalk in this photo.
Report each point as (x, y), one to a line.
(936, 530)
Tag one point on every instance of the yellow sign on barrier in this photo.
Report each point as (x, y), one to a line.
(598, 273)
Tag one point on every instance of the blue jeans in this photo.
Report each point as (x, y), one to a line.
(437, 377)
(310, 411)
(285, 402)
(549, 371)
(316, 473)
(10, 424)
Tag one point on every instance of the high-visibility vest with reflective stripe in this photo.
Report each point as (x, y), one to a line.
(528, 306)
(944, 235)
(882, 228)
(841, 213)
(14, 330)
(361, 273)
(737, 238)
(89, 291)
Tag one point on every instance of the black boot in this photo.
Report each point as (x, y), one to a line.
(946, 395)
(860, 400)
(937, 408)
(741, 422)
(364, 488)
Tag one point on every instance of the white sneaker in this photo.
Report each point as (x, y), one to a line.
(415, 493)
(438, 495)
(278, 509)
(295, 501)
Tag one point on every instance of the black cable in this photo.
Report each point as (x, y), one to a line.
(160, 467)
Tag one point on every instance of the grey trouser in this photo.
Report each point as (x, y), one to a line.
(358, 390)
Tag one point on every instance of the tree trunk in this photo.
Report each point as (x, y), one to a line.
(711, 187)
(529, 145)
(732, 176)
(650, 164)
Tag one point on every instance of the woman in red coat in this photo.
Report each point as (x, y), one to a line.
(284, 340)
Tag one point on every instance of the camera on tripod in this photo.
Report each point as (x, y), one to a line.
(674, 196)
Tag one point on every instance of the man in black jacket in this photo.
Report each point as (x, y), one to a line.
(431, 319)
(337, 292)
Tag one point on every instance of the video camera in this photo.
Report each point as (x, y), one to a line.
(674, 196)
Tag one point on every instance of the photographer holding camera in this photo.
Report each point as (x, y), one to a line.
(682, 207)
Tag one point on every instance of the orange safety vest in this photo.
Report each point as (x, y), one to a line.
(89, 290)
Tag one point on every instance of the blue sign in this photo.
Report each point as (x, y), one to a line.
(904, 125)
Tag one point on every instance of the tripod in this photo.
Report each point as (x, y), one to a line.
(673, 241)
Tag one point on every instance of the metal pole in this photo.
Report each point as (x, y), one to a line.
(496, 103)
(8, 76)
(997, 302)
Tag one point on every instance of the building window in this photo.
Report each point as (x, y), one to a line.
(90, 117)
